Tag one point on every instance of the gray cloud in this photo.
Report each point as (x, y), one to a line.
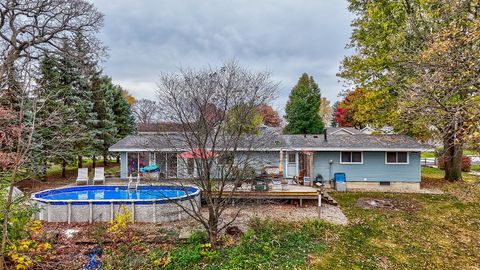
(287, 38)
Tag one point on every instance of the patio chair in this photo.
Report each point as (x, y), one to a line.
(299, 178)
(99, 175)
(82, 176)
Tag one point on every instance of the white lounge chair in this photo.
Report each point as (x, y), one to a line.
(82, 176)
(99, 175)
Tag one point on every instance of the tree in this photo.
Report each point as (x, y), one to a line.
(123, 117)
(129, 98)
(241, 119)
(269, 115)
(302, 110)
(325, 110)
(105, 127)
(30, 29)
(334, 122)
(202, 102)
(352, 111)
(57, 129)
(422, 59)
(145, 111)
(122, 111)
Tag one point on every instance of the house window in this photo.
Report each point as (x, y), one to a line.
(226, 159)
(190, 166)
(351, 157)
(291, 158)
(396, 158)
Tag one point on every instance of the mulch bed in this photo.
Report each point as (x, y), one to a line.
(389, 204)
(72, 242)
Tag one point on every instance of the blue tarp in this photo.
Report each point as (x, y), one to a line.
(150, 168)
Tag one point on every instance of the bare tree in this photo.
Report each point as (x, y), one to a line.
(215, 108)
(29, 30)
(145, 111)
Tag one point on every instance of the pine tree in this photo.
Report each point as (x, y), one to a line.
(123, 116)
(105, 128)
(55, 132)
(302, 110)
(334, 115)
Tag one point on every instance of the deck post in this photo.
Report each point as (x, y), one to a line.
(319, 203)
(280, 165)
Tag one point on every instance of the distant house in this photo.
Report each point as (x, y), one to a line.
(369, 161)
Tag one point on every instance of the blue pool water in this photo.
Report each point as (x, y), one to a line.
(115, 193)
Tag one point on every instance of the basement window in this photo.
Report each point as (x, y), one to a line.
(396, 158)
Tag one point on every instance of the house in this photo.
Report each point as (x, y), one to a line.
(369, 161)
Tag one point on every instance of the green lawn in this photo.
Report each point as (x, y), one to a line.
(466, 152)
(476, 167)
(55, 170)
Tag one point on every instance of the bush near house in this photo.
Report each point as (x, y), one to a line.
(466, 163)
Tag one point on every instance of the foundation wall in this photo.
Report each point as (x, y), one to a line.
(375, 186)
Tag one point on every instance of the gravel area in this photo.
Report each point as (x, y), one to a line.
(280, 212)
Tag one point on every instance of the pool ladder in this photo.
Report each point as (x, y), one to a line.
(133, 184)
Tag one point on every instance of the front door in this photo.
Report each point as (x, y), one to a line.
(292, 167)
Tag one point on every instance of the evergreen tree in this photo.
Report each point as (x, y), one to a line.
(105, 128)
(55, 132)
(123, 116)
(333, 122)
(302, 110)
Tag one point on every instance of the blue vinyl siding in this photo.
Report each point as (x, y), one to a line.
(373, 168)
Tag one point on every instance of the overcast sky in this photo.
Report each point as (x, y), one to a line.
(287, 38)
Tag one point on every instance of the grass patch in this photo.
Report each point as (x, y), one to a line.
(428, 155)
(475, 167)
(435, 174)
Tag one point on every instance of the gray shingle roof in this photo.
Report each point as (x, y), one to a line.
(275, 142)
(351, 130)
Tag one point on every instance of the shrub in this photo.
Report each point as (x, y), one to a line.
(466, 163)
(118, 226)
(31, 250)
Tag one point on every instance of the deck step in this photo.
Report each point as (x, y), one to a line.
(329, 199)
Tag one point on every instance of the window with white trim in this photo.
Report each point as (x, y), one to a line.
(351, 157)
(396, 158)
(190, 166)
(291, 158)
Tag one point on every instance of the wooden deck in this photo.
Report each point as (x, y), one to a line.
(275, 192)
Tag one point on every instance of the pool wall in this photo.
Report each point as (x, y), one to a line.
(155, 211)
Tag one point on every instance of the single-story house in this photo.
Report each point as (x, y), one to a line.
(369, 161)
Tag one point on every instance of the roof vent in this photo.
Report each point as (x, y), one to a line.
(325, 134)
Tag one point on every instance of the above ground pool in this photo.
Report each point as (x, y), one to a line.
(102, 203)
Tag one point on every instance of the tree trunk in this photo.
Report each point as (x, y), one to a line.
(43, 172)
(80, 161)
(94, 160)
(105, 160)
(212, 228)
(453, 159)
(64, 168)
